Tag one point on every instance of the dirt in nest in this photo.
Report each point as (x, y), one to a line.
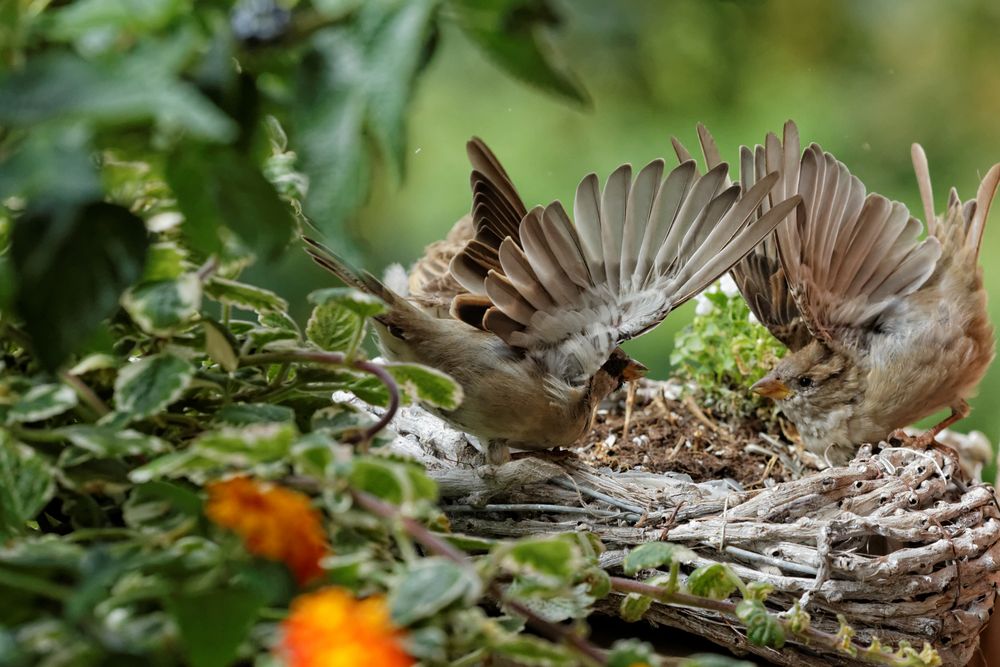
(667, 435)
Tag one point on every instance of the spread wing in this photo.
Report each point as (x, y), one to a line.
(760, 276)
(569, 294)
(847, 256)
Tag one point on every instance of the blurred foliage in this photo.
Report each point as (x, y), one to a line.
(725, 350)
(117, 111)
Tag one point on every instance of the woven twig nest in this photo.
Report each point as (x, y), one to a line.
(895, 541)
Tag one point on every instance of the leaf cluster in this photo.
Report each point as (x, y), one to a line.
(725, 350)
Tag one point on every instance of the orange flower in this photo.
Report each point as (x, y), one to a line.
(332, 628)
(274, 522)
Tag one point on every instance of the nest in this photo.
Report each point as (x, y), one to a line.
(899, 542)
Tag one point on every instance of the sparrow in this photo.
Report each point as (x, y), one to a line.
(883, 328)
(537, 306)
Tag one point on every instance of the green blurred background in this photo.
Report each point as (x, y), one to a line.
(864, 79)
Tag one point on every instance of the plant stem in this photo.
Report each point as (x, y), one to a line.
(810, 635)
(86, 394)
(337, 359)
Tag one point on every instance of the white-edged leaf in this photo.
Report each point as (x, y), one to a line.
(247, 445)
(652, 555)
(428, 586)
(365, 305)
(160, 307)
(427, 384)
(41, 402)
(109, 442)
(241, 295)
(26, 485)
(147, 386)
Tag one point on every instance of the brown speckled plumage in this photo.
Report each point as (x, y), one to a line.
(884, 328)
(538, 305)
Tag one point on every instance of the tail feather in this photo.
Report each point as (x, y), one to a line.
(984, 198)
(361, 280)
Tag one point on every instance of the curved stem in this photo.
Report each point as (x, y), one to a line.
(337, 359)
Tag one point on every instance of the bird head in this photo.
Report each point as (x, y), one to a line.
(621, 368)
(809, 373)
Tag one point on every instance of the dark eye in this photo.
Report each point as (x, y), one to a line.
(805, 381)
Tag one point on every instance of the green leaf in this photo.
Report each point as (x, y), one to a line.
(232, 612)
(219, 347)
(85, 18)
(356, 79)
(389, 79)
(716, 581)
(165, 261)
(554, 606)
(335, 328)
(245, 296)
(531, 652)
(630, 653)
(71, 267)
(173, 464)
(247, 445)
(108, 442)
(634, 606)
(397, 482)
(217, 187)
(147, 386)
(241, 414)
(361, 303)
(652, 555)
(379, 478)
(41, 402)
(763, 629)
(550, 558)
(26, 485)
(509, 32)
(52, 163)
(114, 91)
(161, 506)
(161, 307)
(427, 384)
(344, 422)
(428, 586)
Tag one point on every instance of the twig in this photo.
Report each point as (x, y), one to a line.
(699, 414)
(593, 493)
(86, 394)
(337, 359)
(809, 635)
(629, 403)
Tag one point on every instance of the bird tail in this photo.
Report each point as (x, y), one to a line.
(964, 222)
(361, 280)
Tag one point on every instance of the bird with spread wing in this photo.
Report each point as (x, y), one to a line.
(537, 306)
(883, 327)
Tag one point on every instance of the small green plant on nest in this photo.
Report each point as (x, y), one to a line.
(725, 350)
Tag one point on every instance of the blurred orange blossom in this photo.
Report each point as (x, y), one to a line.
(274, 522)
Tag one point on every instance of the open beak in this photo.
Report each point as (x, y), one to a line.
(771, 388)
(633, 371)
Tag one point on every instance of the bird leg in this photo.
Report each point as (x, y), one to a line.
(497, 452)
(959, 411)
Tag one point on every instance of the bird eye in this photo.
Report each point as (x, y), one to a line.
(805, 381)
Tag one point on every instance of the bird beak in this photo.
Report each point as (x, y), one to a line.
(771, 388)
(633, 371)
